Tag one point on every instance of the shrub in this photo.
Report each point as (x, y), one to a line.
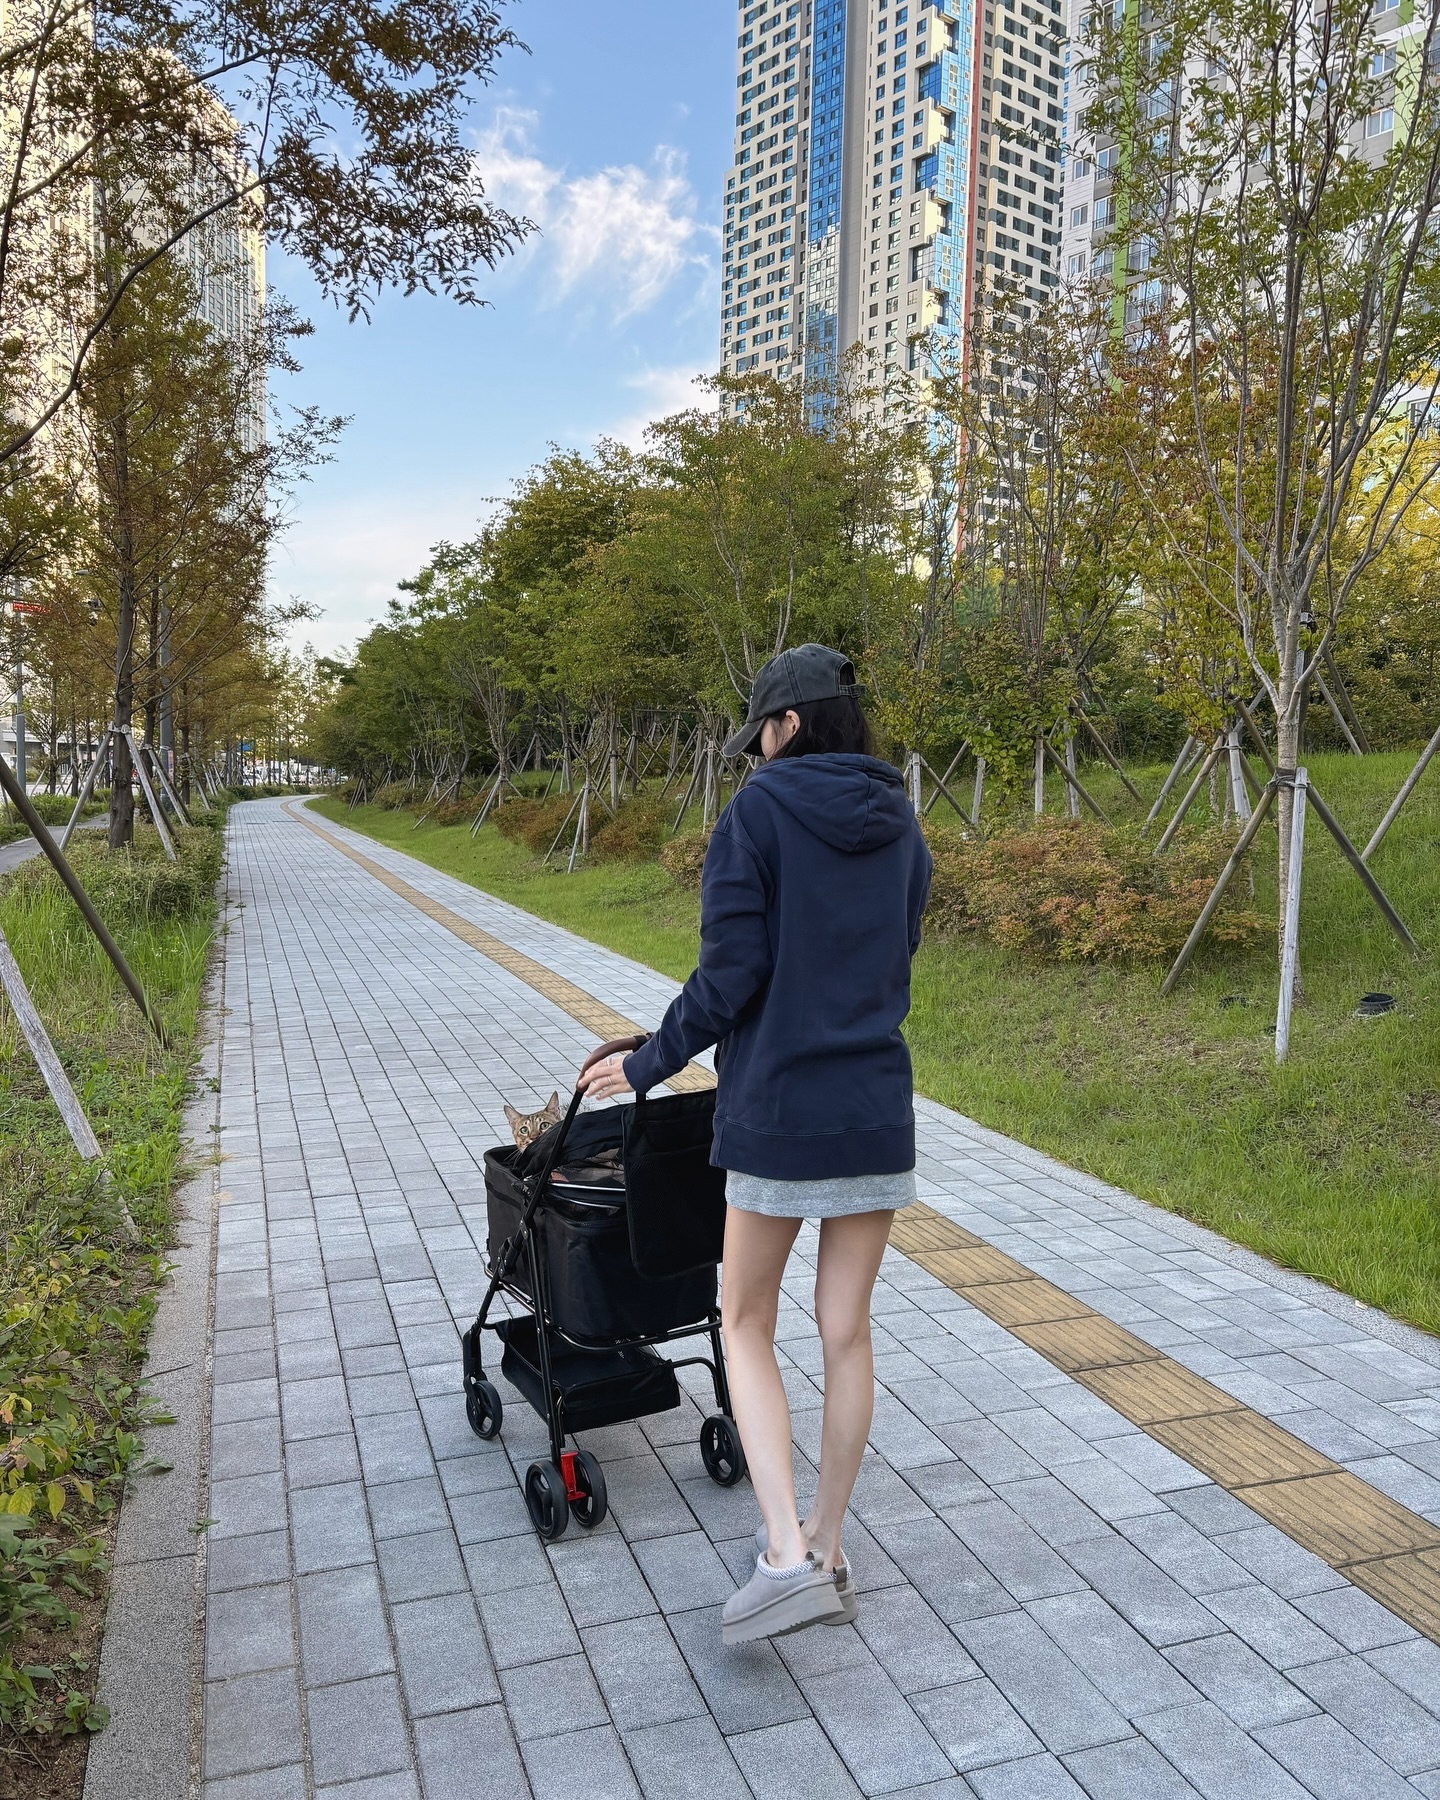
(637, 830)
(54, 809)
(1079, 891)
(453, 812)
(73, 1320)
(128, 886)
(396, 795)
(534, 823)
(684, 857)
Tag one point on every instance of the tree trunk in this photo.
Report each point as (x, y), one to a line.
(182, 774)
(1288, 726)
(54, 735)
(122, 801)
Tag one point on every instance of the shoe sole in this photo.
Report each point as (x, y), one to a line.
(849, 1600)
(784, 1614)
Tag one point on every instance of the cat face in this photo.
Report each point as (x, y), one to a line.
(526, 1127)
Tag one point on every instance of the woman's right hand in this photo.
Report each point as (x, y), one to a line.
(604, 1080)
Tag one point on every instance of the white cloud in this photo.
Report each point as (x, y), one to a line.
(663, 392)
(346, 555)
(624, 233)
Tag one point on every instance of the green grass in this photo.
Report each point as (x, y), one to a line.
(77, 1298)
(1329, 1164)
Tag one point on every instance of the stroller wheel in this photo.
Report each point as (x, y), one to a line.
(721, 1451)
(545, 1500)
(484, 1409)
(593, 1503)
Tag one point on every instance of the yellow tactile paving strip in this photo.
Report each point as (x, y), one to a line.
(603, 1020)
(1383, 1547)
(1378, 1544)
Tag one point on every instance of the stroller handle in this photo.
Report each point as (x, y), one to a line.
(622, 1043)
(557, 1147)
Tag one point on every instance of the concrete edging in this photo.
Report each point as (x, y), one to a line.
(152, 1652)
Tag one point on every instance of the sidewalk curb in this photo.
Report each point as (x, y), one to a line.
(151, 1659)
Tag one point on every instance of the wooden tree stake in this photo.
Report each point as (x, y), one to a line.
(1107, 753)
(1202, 774)
(87, 789)
(1337, 715)
(1407, 788)
(1356, 862)
(1073, 780)
(21, 801)
(940, 780)
(1217, 893)
(67, 1101)
(156, 812)
(1169, 781)
(941, 791)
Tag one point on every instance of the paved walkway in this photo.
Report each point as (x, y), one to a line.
(1052, 1602)
(12, 855)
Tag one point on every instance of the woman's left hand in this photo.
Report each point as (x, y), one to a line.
(603, 1080)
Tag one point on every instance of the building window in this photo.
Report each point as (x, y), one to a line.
(1077, 264)
(1079, 215)
(1107, 160)
(1379, 122)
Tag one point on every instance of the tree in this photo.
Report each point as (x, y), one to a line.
(1279, 170)
(1048, 532)
(341, 137)
(188, 494)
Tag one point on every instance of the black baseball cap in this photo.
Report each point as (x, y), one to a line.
(808, 672)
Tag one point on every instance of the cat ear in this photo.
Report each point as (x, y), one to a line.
(552, 1105)
(512, 1118)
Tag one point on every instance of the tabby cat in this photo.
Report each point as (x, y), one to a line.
(526, 1127)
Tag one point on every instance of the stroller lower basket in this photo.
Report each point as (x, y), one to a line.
(595, 1387)
(595, 1289)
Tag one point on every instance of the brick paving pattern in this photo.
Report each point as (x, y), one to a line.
(1052, 1602)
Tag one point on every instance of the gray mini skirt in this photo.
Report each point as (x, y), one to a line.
(835, 1198)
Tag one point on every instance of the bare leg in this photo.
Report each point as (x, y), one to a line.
(756, 1249)
(850, 1252)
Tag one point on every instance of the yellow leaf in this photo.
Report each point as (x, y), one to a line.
(86, 1492)
(55, 1498)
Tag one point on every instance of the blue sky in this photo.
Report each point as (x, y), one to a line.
(614, 135)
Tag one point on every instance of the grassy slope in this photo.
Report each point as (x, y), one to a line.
(1330, 1164)
(74, 1339)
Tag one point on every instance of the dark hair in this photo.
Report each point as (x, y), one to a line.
(829, 727)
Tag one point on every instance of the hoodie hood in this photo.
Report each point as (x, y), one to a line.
(852, 803)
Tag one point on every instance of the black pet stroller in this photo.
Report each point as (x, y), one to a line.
(607, 1229)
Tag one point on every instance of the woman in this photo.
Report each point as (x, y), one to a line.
(815, 880)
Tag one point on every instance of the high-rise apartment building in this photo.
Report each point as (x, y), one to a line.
(1091, 245)
(225, 253)
(895, 163)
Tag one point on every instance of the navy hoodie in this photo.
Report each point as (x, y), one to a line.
(810, 902)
